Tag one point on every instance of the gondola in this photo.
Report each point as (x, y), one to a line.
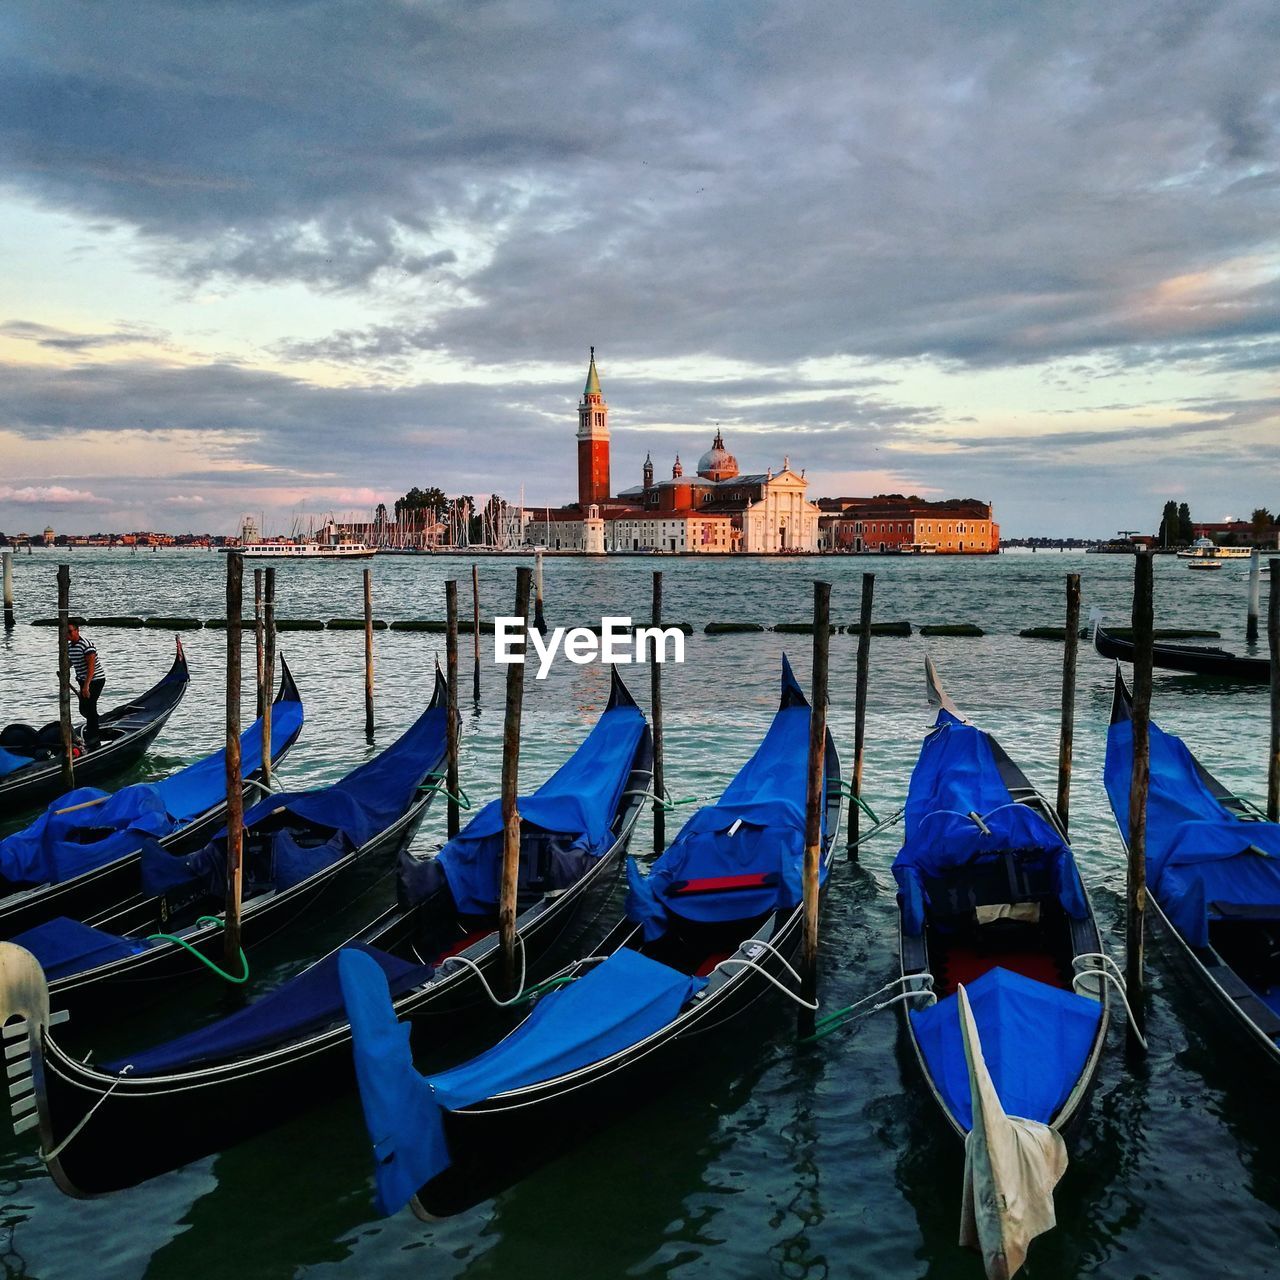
(298, 846)
(291, 1048)
(31, 759)
(83, 855)
(989, 896)
(990, 903)
(1199, 660)
(1213, 874)
(707, 935)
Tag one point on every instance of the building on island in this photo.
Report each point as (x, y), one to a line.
(718, 510)
(909, 525)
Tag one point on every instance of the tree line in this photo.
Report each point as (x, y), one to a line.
(1177, 529)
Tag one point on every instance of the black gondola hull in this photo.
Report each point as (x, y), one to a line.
(34, 787)
(1189, 659)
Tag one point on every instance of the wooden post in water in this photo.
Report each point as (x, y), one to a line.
(64, 674)
(1066, 737)
(510, 786)
(368, 654)
(860, 705)
(268, 667)
(539, 618)
(813, 798)
(1140, 715)
(235, 784)
(1273, 638)
(655, 710)
(1251, 623)
(451, 674)
(7, 557)
(263, 695)
(475, 632)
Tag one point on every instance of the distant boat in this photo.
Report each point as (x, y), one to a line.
(331, 543)
(1205, 564)
(1205, 549)
(1200, 660)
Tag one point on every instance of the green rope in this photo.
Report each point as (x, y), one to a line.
(434, 782)
(540, 987)
(846, 789)
(182, 942)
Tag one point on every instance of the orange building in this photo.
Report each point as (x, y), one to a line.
(891, 522)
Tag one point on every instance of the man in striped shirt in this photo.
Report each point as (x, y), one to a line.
(92, 676)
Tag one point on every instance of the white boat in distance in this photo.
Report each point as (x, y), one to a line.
(329, 544)
(1207, 549)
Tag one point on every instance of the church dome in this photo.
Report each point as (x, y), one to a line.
(717, 463)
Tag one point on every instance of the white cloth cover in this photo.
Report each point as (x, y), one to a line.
(1011, 1167)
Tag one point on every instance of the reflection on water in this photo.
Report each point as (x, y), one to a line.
(770, 1160)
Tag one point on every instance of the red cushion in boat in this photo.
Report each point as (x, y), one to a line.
(721, 884)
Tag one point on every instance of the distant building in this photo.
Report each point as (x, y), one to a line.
(716, 511)
(910, 525)
(48, 536)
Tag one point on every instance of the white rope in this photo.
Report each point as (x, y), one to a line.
(1109, 972)
(782, 960)
(484, 982)
(49, 1156)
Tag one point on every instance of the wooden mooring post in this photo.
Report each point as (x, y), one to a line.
(510, 791)
(368, 654)
(263, 695)
(539, 618)
(268, 666)
(813, 799)
(1273, 639)
(235, 783)
(7, 557)
(860, 707)
(475, 632)
(1255, 583)
(1066, 736)
(64, 675)
(655, 713)
(451, 674)
(1140, 717)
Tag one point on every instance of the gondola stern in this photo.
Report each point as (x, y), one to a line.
(440, 690)
(619, 694)
(1121, 698)
(288, 691)
(792, 693)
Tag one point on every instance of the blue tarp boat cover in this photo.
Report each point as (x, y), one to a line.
(9, 762)
(755, 829)
(367, 801)
(308, 1003)
(574, 809)
(64, 947)
(58, 845)
(955, 775)
(1198, 852)
(1035, 1038)
(617, 1004)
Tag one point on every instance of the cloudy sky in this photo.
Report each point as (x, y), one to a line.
(300, 255)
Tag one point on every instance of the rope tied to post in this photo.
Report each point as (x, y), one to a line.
(204, 960)
(836, 1019)
(435, 782)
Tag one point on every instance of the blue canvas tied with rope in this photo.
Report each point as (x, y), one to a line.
(565, 824)
(615, 1005)
(1201, 858)
(743, 855)
(960, 814)
(292, 835)
(89, 828)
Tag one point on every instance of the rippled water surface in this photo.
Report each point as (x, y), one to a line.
(775, 1161)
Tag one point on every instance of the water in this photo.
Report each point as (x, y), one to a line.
(774, 1162)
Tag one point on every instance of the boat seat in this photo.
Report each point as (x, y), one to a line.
(1267, 912)
(721, 884)
(1002, 881)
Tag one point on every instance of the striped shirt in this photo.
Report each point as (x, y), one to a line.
(78, 651)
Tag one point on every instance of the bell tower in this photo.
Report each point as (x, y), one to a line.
(593, 441)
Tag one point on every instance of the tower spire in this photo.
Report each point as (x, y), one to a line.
(593, 441)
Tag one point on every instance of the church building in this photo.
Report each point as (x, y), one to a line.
(717, 510)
